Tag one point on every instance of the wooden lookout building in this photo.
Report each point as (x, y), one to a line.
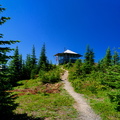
(67, 56)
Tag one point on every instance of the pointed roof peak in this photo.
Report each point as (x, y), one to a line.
(69, 51)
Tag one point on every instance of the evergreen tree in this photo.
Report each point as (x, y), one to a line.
(15, 67)
(16, 61)
(106, 61)
(28, 66)
(33, 58)
(108, 58)
(115, 58)
(43, 63)
(6, 102)
(20, 63)
(100, 65)
(89, 61)
(89, 56)
(23, 71)
(78, 64)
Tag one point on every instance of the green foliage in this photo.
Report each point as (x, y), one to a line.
(28, 66)
(6, 102)
(115, 58)
(89, 56)
(43, 63)
(111, 77)
(33, 73)
(78, 64)
(68, 65)
(88, 61)
(48, 106)
(33, 58)
(95, 83)
(107, 60)
(15, 67)
(51, 76)
(86, 68)
(115, 99)
(108, 57)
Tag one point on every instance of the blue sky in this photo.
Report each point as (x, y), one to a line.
(70, 24)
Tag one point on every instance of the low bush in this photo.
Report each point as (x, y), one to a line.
(111, 77)
(115, 99)
(33, 73)
(96, 86)
(50, 76)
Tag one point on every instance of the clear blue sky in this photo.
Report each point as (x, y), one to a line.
(70, 24)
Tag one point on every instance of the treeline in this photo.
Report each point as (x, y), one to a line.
(88, 64)
(26, 69)
(98, 81)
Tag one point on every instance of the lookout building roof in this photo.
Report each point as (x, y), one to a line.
(68, 52)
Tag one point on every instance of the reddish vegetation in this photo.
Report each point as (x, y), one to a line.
(47, 88)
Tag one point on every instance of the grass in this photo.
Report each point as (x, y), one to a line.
(102, 106)
(47, 105)
(100, 102)
(96, 93)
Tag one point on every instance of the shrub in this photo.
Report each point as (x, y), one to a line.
(33, 73)
(50, 76)
(115, 98)
(111, 77)
(77, 84)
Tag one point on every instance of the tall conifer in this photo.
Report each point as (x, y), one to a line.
(115, 58)
(28, 66)
(33, 58)
(16, 66)
(89, 56)
(88, 61)
(108, 58)
(43, 63)
(6, 102)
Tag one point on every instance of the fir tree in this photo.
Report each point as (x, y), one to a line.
(6, 102)
(43, 63)
(20, 66)
(33, 58)
(78, 64)
(106, 61)
(115, 58)
(28, 66)
(15, 67)
(23, 71)
(88, 61)
(108, 58)
(89, 56)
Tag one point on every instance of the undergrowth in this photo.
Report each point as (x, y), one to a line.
(43, 103)
(101, 88)
(51, 76)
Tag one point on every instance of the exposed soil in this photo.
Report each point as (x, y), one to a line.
(47, 88)
(85, 111)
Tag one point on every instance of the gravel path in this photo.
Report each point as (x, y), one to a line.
(85, 111)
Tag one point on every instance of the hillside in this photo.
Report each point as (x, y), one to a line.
(100, 85)
(43, 101)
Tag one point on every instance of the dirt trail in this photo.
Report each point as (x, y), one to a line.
(85, 111)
